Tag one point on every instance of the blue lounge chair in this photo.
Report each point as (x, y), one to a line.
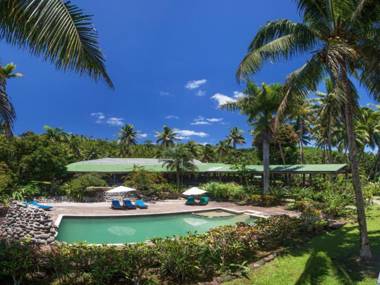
(128, 204)
(140, 204)
(190, 200)
(203, 201)
(41, 206)
(116, 205)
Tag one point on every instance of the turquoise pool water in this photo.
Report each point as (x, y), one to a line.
(136, 229)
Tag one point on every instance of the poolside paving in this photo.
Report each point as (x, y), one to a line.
(165, 206)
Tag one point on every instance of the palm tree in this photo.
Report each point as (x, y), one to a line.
(167, 137)
(127, 138)
(193, 148)
(56, 30)
(222, 149)
(7, 112)
(235, 137)
(328, 108)
(342, 40)
(208, 153)
(302, 127)
(180, 160)
(260, 105)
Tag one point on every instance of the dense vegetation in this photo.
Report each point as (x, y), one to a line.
(182, 260)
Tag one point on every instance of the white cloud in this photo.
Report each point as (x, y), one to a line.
(165, 93)
(195, 84)
(115, 121)
(222, 99)
(238, 94)
(200, 93)
(200, 120)
(169, 117)
(185, 134)
(214, 120)
(142, 135)
(99, 117)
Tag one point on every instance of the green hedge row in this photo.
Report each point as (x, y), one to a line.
(182, 260)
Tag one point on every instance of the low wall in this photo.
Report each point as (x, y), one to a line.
(27, 222)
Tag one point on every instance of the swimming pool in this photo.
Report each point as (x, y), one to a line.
(116, 230)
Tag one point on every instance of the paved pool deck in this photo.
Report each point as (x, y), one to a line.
(159, 207)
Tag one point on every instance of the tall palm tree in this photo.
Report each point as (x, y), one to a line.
(167, 137)
(7, 112)
(235, 137)
(222, 149)
(127, 138)
(302, 127)
(180, 160)
(208, 153)
(342, 40)
(260, 105)
(193, 148)
(328, 108)
(56, 30)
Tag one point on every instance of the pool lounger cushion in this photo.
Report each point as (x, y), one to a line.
(140, 204)
(128, 204)
(116, 205)
(41, 206)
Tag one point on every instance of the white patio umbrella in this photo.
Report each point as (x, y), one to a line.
(194, 191)
(121, 189)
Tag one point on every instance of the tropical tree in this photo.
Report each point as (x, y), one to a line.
(180, 160)
(208, 153)
(56, 30)
(343, 39)
(222, 149)
(235, 137)
(7, 112)
(193, 148)
(302, 126)
(127, 138)
(167, 137)
(328, 109)
(260, 105)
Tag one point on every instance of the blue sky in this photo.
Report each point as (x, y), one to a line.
(169, 60)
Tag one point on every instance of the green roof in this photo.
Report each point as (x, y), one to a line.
(124, 165)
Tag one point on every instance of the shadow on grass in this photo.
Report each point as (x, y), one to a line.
(337, 251)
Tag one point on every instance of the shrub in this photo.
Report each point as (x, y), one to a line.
(16, 260)
(225, 191)
(76, 187)
(264, 200)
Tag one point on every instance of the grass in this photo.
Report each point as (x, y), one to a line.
(329, 259)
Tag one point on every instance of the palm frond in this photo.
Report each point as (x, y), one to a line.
(57, 30)
(278, 39)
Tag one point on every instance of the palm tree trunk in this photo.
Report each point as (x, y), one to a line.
(266, 163)
(282, 153)
(365, 250)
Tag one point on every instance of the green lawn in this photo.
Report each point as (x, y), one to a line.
(327, 259)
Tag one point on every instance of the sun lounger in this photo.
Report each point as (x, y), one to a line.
(128, 204)
(41, 206)
(140, 204)
(203, 201)
(116, 205)
(190, 200)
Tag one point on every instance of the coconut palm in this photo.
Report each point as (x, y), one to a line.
(260, 105)
(222, 149)
(193, 148)
(167, 137)
(328, 109)
(127, 138)
(302, 126)
(180, 160)
(7, 112)
(342, 40)
(56, 30)
(235, 137)
(208, 153)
